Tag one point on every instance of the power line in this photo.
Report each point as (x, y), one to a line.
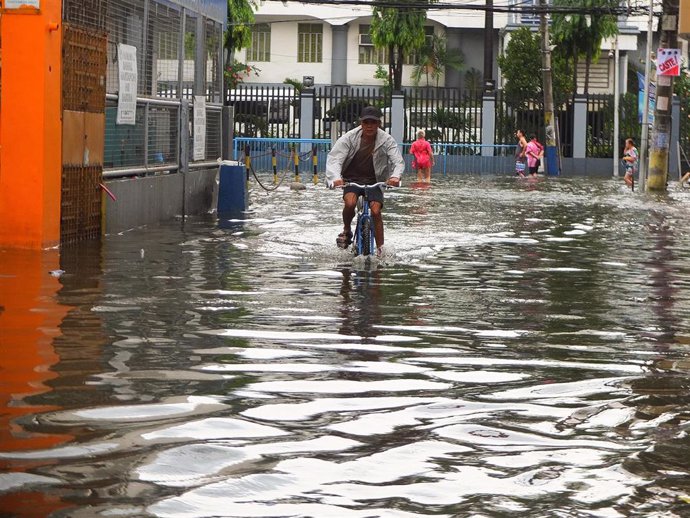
(446, 6)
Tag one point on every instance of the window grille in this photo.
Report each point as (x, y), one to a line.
(260, 47)
(368, 53)
(310, 43)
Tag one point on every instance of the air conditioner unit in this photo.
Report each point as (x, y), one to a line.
(365, 39)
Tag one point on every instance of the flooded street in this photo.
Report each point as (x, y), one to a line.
(522, 350)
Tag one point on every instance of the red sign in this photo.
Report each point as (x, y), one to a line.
(668, 62)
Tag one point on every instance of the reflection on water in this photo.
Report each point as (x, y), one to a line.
(521, 349)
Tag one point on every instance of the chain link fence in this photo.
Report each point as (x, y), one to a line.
(179, 57)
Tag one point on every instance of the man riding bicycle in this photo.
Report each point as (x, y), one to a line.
(365, 155)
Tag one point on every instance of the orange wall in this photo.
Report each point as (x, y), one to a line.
(30, 128)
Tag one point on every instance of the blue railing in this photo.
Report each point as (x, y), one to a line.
(450, 158)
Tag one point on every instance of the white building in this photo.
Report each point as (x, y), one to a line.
(332, 44)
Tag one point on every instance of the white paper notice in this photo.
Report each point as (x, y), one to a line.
(17, 4)
(199, 152)
(127, 76)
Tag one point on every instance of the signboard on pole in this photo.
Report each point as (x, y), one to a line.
(127, 77)
(668, 62)
(199, 146)
(640, 99)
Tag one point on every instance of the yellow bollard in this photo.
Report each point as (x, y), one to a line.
(247, 162)
(315, 163)
(295, 156)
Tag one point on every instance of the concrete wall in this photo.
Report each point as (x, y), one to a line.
(152, 199)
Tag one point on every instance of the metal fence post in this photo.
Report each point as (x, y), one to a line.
(185, 144)
(398, 117)
(306, 116)
(488, 123)
(580, 127)
(227, 132)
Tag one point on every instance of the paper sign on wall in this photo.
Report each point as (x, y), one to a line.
(668, 62)
(127, 77)
(18, 4)
(199, 150)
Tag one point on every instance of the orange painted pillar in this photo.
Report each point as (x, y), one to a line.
(30, 126)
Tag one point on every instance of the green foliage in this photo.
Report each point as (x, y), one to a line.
(382, 75)
(434, 58)
(238, 72)
(681, 84)
(580, 35)
(521, 66)
(295, 83)
(189, 45)
(240, 19)
(401, 31)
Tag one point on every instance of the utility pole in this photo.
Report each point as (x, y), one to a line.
(551, 147)
(488, 46)
(644, 144)
(661, 131)
(616, 108)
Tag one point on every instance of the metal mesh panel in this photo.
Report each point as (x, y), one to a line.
(168, 46)
(163, 141)
(214, 38)
(124, 144)
(86, 13)
(80, 216)
(151, 143)
(125, 25)
(213, 133)
(189, 64)
(84, 65)
(163, 44)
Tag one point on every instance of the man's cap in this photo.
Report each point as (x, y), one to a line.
(371, 113)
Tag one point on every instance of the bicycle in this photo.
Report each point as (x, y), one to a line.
(363, 241)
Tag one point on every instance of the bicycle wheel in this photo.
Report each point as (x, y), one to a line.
(366, 236)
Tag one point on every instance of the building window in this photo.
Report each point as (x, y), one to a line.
(309, 42)
(413, 58)
(260, 47)
(368, 54)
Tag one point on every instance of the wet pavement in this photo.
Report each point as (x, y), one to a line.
(522, 349)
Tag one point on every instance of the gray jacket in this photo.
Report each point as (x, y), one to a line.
(388, 160)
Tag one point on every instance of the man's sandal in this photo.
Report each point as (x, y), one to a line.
(344, 239)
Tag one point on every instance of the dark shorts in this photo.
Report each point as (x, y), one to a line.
(374, 194)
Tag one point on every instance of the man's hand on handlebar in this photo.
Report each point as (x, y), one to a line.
(337, 183)
(393, 181)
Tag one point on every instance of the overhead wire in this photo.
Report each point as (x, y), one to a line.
(506, 8)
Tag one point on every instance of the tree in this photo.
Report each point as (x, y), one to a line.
(521, 65)
(238, 35)
(580, 35)
(434, 58)
(401, 31)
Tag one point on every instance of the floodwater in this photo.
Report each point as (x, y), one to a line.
(522, 349)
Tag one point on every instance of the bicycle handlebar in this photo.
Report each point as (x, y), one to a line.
(377, 184)
(383, 185)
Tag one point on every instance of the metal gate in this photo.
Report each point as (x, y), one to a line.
(83, 101)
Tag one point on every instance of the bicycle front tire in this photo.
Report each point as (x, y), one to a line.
(367, 238)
